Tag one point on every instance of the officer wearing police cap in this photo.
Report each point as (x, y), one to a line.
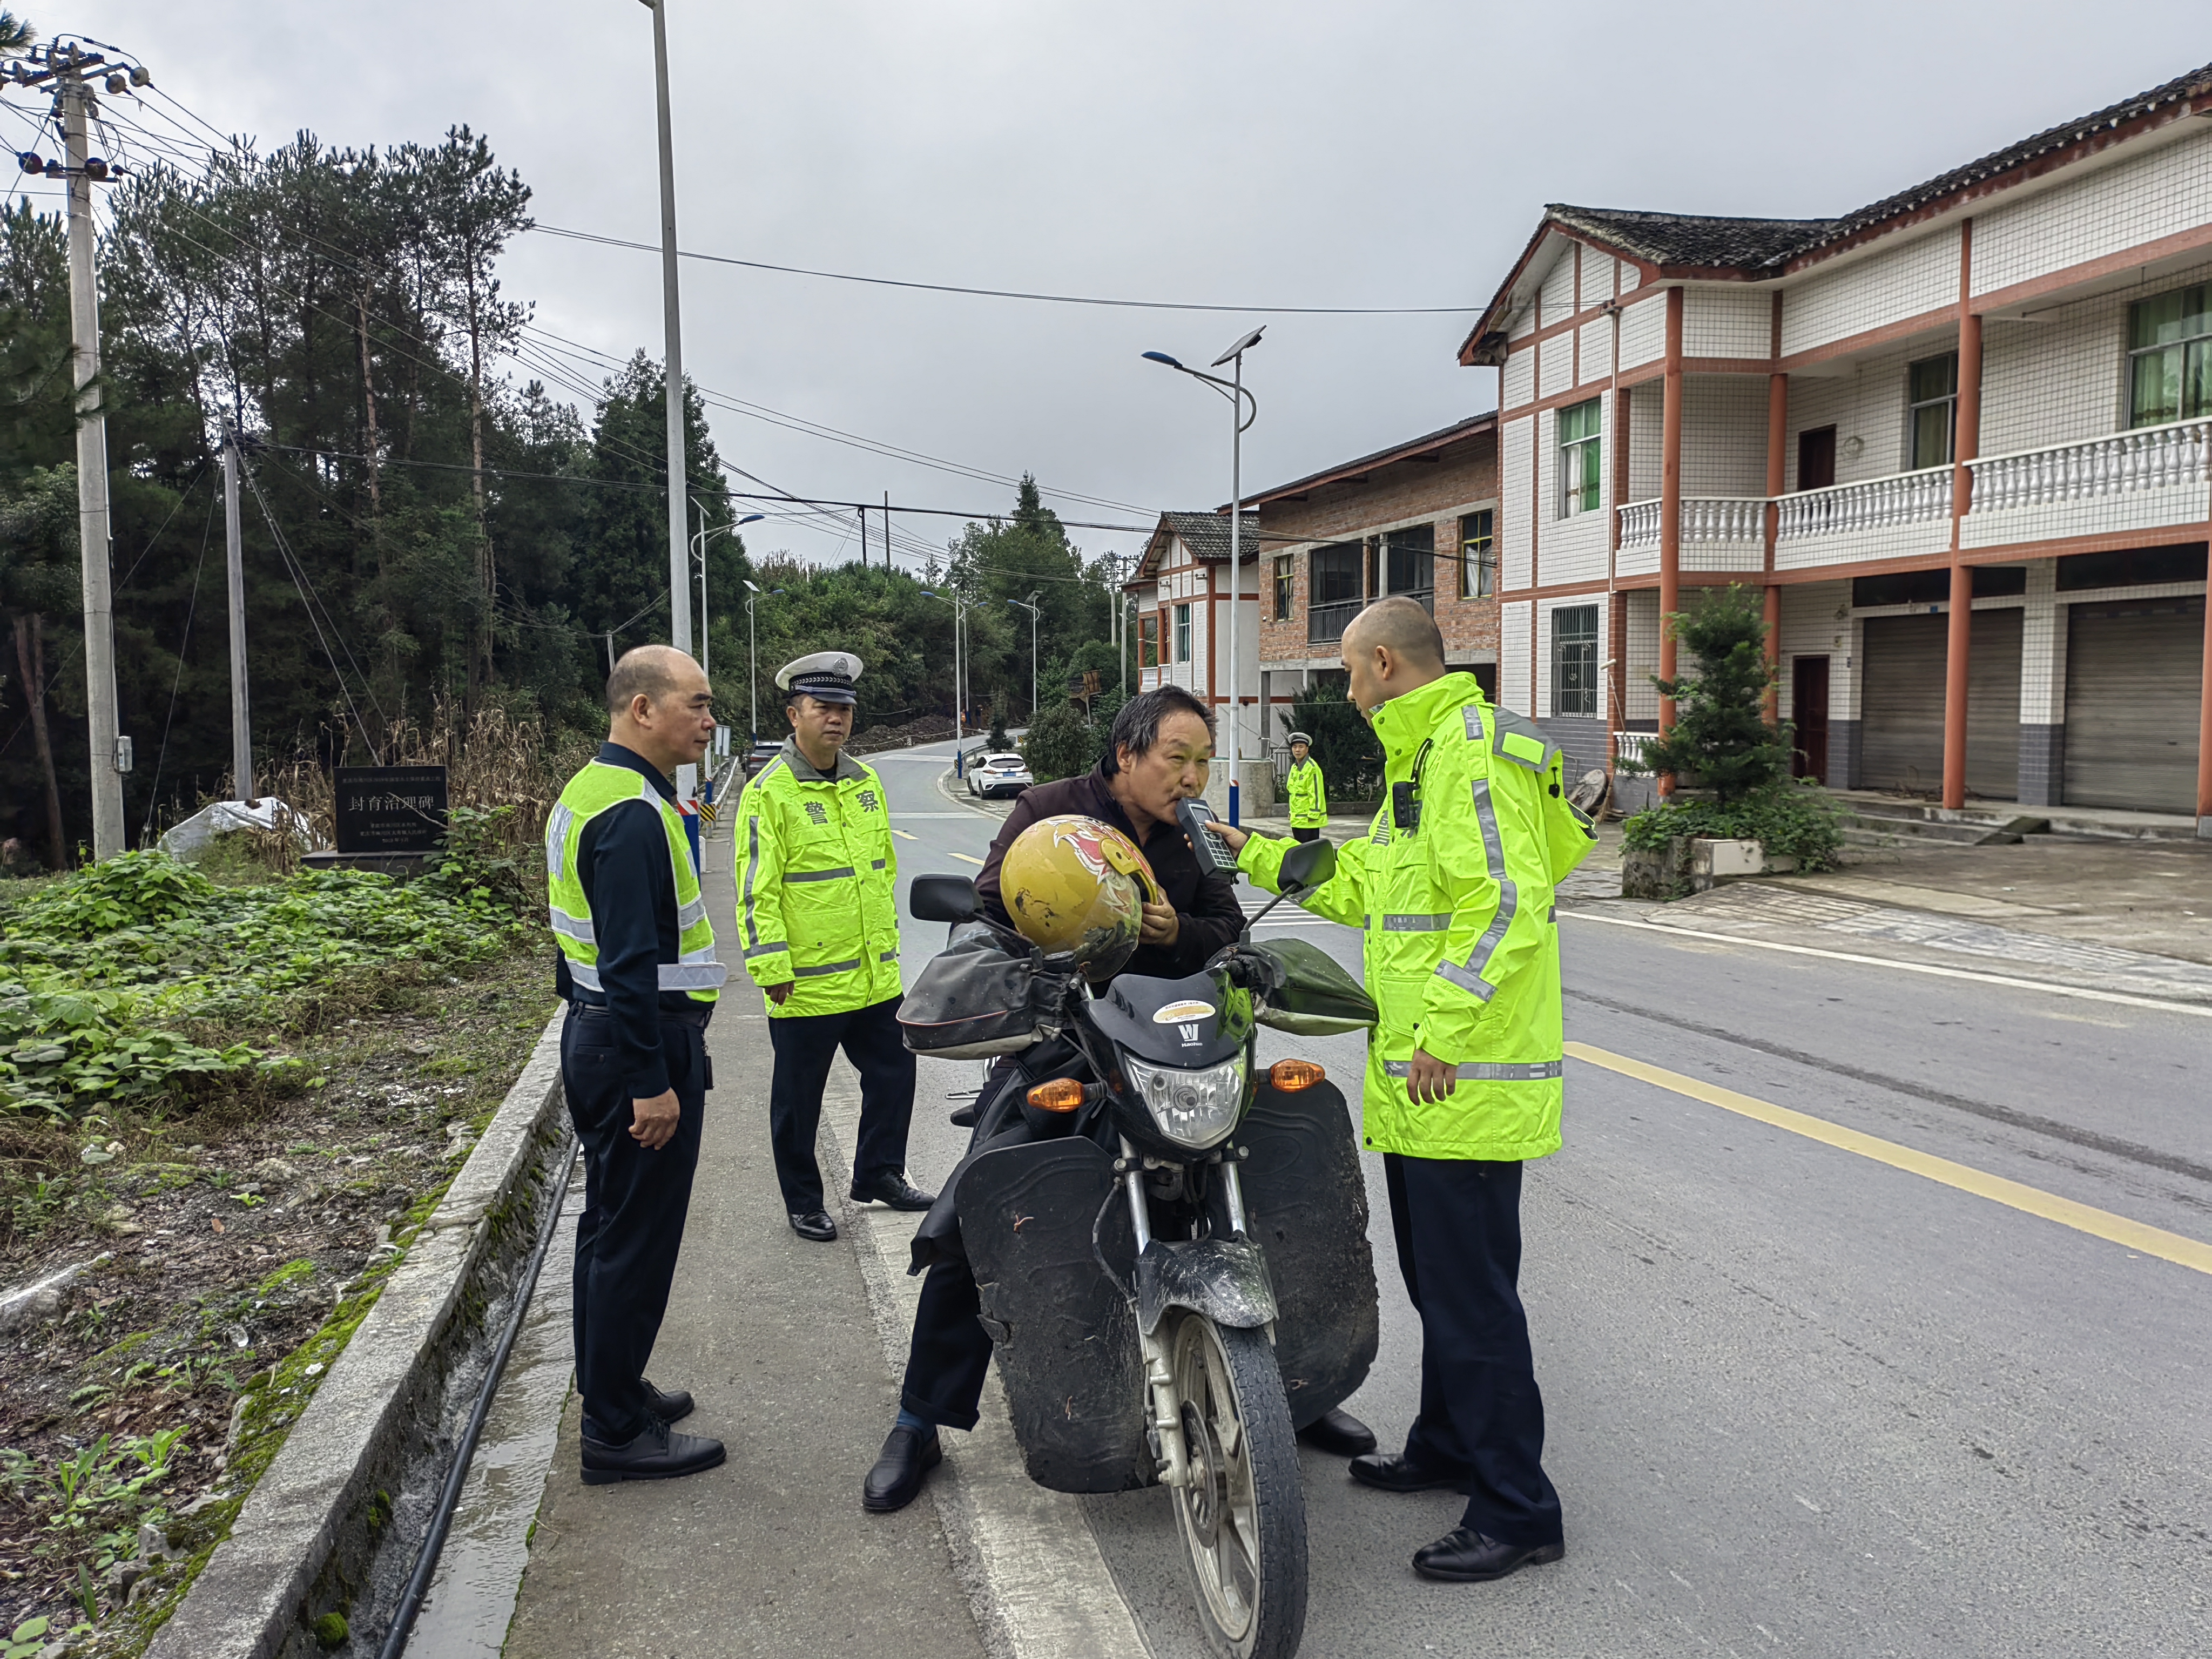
(817, 924)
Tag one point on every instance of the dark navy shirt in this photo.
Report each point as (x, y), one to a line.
(622, 863)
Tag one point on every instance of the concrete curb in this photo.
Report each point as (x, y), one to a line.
(1035, 1576)
(305, 1538)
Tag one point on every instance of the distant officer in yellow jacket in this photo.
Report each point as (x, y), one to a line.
(818, 923)
(1453, 888)
(1308, 791)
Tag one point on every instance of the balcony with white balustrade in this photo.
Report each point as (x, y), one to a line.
(1719, 533)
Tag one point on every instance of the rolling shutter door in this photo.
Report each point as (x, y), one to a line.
(1902, 704)
(2134, 673)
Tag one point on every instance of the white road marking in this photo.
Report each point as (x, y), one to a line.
(2083, 992)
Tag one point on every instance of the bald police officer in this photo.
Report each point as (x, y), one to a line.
(817, 917)
(638, 971)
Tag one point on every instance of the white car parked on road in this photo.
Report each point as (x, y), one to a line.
(1004, 774)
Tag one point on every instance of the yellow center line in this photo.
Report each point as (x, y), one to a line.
(964, 858)
(904, 836)
(2033, 1200)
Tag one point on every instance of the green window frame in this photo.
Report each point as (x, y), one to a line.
(2170, 356)
(1582, 466)
(1478, 554)
(1183, 633)
(1932, 411)
(1282, 587)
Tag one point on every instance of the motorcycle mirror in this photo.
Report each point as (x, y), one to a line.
(1310, 863)
(943, 898)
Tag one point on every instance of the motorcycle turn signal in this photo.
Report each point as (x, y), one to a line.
(1062, 1094)
(1291, 1075)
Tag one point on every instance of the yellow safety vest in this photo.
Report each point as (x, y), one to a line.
(592, 791)
(1308, 794)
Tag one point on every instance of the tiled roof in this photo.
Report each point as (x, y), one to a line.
(1206, 534)
(1761, 245)
(1439, 439)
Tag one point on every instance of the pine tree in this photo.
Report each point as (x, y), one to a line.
(1721, 735)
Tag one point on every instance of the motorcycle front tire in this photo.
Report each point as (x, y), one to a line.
(1242, 1515)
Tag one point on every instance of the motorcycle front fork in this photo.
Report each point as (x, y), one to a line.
(1166, 1427)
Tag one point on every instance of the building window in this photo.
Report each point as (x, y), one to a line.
(1148, 640)
(1333, 590)
(1409, 563)
(1579, 458)
(2170, 356)
(1574, 659)
(1183, 633)
(1935, 408)
(1816, 457)
(1478, 556)
(1282, 587)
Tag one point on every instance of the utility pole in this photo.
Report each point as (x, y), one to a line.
(241, 724)
(110, 751)
(1031, 605)
(679, 578)
(887, 532)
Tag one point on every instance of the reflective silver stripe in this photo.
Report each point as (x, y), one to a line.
(1484, 1070)
(569, 926)
(766, 951)
(790, 876)
(1381, 835)
(1472, 717)
(1474, 975)
(693, 976)
(556, 839)
(752, 868)
(704, 953)
(585, 975)
(828, 968)
(1417, 924)
(688, 915)
(888, 956)
(1481, 990)
(875, 864)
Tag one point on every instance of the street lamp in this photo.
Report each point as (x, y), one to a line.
(1239, 421)
(959, 682)
(753, 657)
(1030, 605)
(706, 533)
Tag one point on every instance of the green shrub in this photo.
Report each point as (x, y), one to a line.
(1350, 753)
(1721, 736)
(1061, 744)
(1789, 819)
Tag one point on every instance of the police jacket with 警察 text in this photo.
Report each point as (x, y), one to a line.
(1462, 943)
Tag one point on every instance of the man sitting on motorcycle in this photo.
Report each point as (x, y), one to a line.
(1157, 755)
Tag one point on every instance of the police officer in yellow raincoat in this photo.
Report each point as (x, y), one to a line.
(1308, 791)
(1453, 888)
(817, 925)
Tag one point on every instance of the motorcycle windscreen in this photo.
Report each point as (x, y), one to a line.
(1065, 1339)
(1305, 1201)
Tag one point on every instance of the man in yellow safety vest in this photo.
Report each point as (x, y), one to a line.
(1308, 791)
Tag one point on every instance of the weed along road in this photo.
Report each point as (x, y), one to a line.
(1872, 1309)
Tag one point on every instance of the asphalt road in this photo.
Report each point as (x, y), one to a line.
(1800, 1399)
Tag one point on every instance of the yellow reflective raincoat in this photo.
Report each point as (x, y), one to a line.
(816, 871)
(1462, 941)
(1308, 795)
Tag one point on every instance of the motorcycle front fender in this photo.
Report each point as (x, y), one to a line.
(1224, 1279)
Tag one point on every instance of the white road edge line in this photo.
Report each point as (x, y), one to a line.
(942, 781)
(1036, 1580)
(2082, 992)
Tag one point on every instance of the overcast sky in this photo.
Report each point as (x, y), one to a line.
(1387, 153)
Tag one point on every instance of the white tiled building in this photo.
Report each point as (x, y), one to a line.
(1181, 595)
(1994, 390)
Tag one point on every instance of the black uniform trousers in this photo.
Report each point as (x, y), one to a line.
(1458, 1227)
(804, 1046)
(634, 1201)
(950, 1351)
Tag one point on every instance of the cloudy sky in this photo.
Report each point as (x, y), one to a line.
(1390, 152)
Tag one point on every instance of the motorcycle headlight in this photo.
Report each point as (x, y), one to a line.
(1191, 1109)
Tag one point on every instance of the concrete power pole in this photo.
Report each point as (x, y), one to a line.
(110, 751)
(241, 723)
(679, 575)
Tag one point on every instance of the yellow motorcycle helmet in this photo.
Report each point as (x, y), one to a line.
(1074, 885)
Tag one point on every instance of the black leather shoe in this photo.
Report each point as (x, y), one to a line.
(814, 1224)
(1393, 1471)
(895, 1190)
(659, 1453)
(1464, 1556)
(668, 1408)
(895, 1481)
(1339, 1433)
(965, 1117)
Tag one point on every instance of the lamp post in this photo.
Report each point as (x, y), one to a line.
(959, 675)
(1239, 421)
(752, 661)
(704, 534)
(679, 590)
(1031, 605)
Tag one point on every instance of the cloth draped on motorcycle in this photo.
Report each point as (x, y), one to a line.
(817, 886)
(1452, 888)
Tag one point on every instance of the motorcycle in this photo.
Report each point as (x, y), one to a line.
(1169, 1247)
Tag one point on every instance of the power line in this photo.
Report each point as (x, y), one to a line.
(1018, 293)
